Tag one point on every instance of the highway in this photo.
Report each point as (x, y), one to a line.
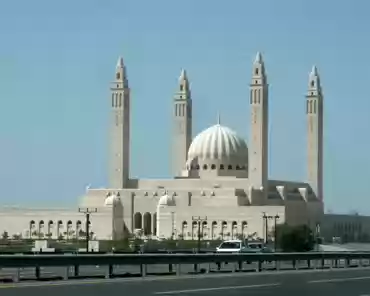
(339, 282)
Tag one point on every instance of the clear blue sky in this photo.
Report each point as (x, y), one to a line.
(58, 57)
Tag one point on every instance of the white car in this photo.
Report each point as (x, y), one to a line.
(231, 246)
(240, 246)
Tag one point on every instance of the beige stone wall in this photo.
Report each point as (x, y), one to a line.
(39, 222)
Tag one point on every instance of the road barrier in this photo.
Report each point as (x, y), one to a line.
(313, 259)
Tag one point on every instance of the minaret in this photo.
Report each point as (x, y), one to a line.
(314, 110)
(119, 154)
(258, 155)
(182, 125)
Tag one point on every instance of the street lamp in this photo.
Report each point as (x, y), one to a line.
(276, 217)
(317, 234)
(87, 212)
(199, 220)
(266, 218)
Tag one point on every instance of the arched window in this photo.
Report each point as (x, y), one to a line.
(213, 167)
(256, 71)
(222, 167)
(118, 76)
(138, 221)
(312, 83)
(147, 223)
(197, 167)
(229, 167)
(205, 167)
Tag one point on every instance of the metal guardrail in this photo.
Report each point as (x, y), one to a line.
(143, 260)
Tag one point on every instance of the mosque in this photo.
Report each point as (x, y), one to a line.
(220, 186)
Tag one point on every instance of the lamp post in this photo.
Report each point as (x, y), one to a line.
(172, 225)
(266, 218)
(199, 220)
(317, 234)
(265, 222)
(276, 217)
(87, 212)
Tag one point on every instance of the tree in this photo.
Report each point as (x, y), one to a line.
(5, 235)
(295, 238)
(17, 236)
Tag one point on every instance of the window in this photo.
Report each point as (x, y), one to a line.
(118, 76)
(205, 167)
(256, 71)
(213, 167)
(237, 168)
(230, 245)
(181, 88)
(222, 167)
(229, 167)
(197, 167)
(312, 83)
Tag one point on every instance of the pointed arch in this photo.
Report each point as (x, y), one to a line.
(138, 221)
(194, 230)
(214, 230)
(234, 229)
(184, 229)
(50, 227)
(147, 223)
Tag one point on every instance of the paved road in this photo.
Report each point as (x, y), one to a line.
(340, 282)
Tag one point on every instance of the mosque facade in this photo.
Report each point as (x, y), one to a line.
(220, 186)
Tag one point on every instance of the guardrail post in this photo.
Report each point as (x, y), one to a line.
(294, 263)
(347, 263)
(37, 272)
(178, 269)
(195, 267)
(17, 275)
(109, 273)
(322, 263)
(170, 268)
(76, 270)
(308, 263)
(66, 273)
(259, 266)
(240, 265)
(208, 268)
(143, 270)
(218, 266)
(277, 265)
(336, 263)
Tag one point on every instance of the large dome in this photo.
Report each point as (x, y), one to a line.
(218, 143)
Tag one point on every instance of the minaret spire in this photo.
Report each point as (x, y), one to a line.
(120, 63)
(258, 58)
(314, 111)
(258, 160)
(119, 156)
(182, 121)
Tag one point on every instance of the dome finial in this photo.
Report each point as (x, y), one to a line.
(218, 118)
